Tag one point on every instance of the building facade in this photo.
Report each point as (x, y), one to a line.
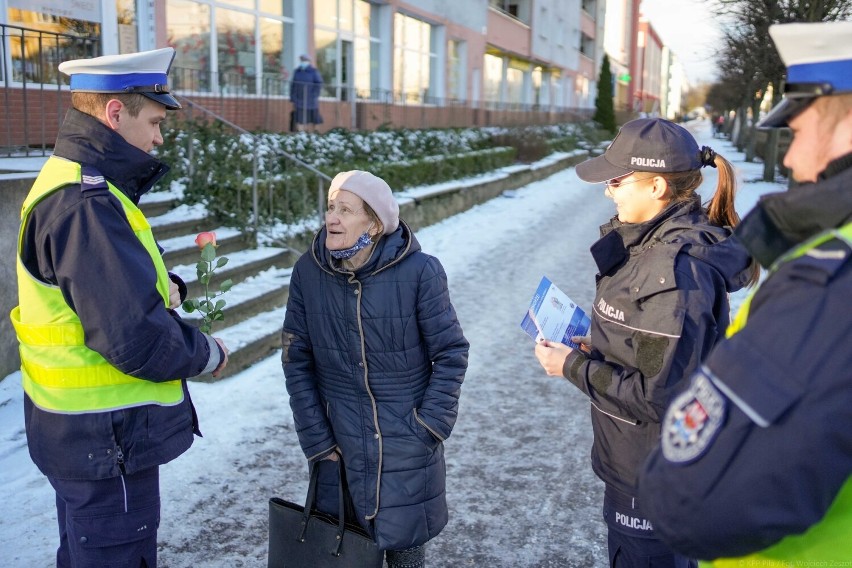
(506, 53)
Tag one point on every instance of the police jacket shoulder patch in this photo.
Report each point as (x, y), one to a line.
(692, 420)
(91, 179)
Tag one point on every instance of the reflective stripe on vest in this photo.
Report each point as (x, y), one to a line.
(58, 372)
(827, 541)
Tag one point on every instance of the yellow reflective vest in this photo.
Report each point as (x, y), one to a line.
(828, 541)
(58, 372)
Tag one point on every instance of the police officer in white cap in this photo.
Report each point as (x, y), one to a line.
(104, 357)
(755, 463)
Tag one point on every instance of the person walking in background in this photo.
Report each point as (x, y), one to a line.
(103, 354)
(374, 358)
(665, 268)
(305, 90)
(755, 462)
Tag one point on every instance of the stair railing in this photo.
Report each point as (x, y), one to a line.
(322, 178)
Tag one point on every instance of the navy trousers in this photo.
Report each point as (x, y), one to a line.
(631, 539)
(108, 522)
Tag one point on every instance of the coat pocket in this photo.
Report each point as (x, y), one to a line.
(426, 434)
(119, 539)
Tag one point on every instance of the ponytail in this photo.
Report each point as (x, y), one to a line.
(720, 210)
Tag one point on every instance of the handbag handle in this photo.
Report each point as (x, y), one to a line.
(310, 501)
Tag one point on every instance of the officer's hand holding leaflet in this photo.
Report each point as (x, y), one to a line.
(552, 356)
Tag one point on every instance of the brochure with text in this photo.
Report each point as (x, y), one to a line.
(554, 315)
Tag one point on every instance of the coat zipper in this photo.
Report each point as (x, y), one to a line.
(370, 393)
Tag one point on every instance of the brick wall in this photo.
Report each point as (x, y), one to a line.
(32, 117)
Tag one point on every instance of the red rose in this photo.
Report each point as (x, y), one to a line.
(205, 238)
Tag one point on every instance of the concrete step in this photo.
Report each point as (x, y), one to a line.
(181, 220)
(241, 265)
(266, 291)
(158, 203)
(250, 341)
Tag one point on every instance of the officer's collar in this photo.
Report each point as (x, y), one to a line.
(86, 140)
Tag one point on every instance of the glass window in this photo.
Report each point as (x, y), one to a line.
(454, 70)
(346, 15)
(48, 40)
(188, 29)
(275, 56)
(363, 67)
(536, 84)
(413, 57)
(236, 51)
(493, 77)
(128, 41)
(247, 4)
(514, 85)
(327, 57)
(253, 54)
(277, 7)
(362, 18)
(325, 13)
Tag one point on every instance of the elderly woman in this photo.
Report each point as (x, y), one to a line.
(374, 359)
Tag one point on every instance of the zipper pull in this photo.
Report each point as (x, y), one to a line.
(119, 458)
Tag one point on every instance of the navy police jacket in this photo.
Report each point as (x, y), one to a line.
(79, 239)
(374, 361)
(772, 453)
(661, 305)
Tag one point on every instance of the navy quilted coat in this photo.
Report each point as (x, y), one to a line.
(374, 361)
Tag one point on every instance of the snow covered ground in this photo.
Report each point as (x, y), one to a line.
(520, 487)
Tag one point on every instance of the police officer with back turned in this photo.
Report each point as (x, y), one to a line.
(755, 463)
(103, 354)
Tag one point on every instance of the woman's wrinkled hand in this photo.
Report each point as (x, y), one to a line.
(552, 356)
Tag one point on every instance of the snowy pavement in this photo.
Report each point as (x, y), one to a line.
(520, 487)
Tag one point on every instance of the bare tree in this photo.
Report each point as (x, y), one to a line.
(751, 63)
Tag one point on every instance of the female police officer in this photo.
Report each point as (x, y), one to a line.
(666, 266)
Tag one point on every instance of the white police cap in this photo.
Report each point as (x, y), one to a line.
(145, 72)
(818, 57)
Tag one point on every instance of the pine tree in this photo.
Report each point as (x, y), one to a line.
(604, 109)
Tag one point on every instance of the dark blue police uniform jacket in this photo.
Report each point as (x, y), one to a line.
(774, 453)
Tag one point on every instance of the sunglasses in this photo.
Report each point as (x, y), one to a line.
(614, 183)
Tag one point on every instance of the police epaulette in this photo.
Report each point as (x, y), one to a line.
(91, 179)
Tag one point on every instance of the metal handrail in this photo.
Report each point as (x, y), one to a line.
(37, 54)
(254, 194)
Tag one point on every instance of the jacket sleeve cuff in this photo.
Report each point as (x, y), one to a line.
(216, 356)
(182, 290)
(571, 367)
(322, 455)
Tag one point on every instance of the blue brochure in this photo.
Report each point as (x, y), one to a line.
(554, 316)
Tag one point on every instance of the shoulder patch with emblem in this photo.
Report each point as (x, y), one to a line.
(90, 179)
(692, 421)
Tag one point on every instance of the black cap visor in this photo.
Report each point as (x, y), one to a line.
(166, 99)
(784, 111)
(599, 170)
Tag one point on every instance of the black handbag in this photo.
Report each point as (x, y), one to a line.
(301, 537)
